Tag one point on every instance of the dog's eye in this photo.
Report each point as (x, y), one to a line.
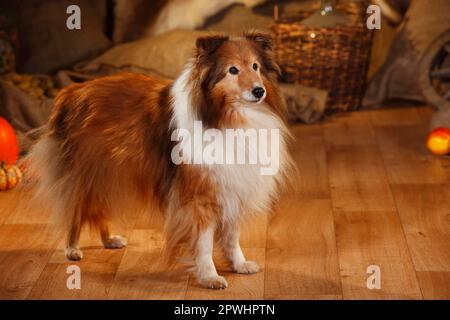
(234, 70)
(255, 66)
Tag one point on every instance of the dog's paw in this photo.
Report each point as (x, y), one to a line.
(115, 242)
(74, 254)
(248, 267)
(214, 282)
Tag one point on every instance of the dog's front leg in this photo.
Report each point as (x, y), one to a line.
(205, 271)
(233, 251)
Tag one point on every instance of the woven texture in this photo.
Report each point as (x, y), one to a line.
(333, 59)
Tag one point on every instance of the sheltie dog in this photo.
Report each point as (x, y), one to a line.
(109, 143)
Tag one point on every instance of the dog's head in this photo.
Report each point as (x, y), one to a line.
(233, 72)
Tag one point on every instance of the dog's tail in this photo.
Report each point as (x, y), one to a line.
(45, 180)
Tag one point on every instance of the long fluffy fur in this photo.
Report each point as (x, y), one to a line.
(107, 149)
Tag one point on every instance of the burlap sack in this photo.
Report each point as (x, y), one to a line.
(237, 19)
(133, 18)
(163, 55)
(440, 118)
(45, 43)
(143, 18)
(398, 77)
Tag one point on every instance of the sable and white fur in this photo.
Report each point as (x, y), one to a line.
(108, 145)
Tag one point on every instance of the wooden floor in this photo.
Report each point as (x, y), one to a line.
(368, 193)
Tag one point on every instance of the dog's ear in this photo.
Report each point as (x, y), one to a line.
(264, 40)
(209, 44)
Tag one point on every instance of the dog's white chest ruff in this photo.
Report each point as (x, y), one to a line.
(242, 188)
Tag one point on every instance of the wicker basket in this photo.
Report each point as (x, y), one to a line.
(332, 59)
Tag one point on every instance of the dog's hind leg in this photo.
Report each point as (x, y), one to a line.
(73, 251)
(110, 241)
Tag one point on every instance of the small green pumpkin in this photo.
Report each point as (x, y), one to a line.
(10, 176)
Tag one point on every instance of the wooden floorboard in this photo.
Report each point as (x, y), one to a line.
(349, 129)
(358, 180)
(98, 268)
(301, 257)
(374, 239)
(435, 285)
(406, 159)
(309, 156)
(367, 192)
(24, 252)
(142, 275)
(425, 214)
(9, 201)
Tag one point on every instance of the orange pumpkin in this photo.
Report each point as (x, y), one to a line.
(9, 149)
(10, 176)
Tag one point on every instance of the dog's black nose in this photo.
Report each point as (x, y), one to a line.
(258, 92)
